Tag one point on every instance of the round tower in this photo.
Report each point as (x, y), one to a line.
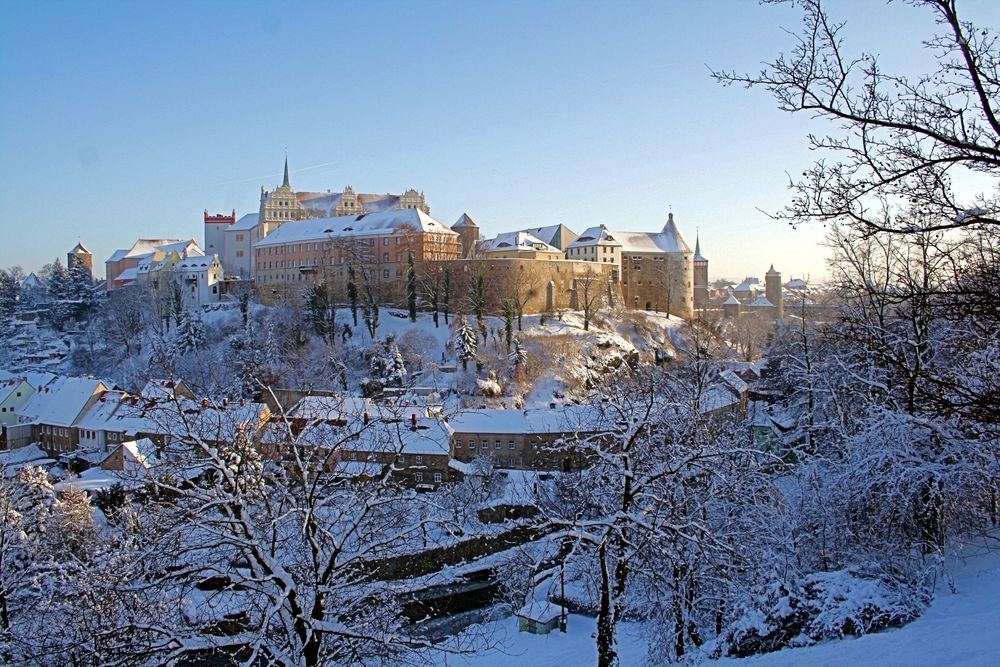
(772, 290)
(731, 307)
(468, 231)
(700, 277)
(79, 255)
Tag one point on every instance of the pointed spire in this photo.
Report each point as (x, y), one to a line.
(697, 245)
(284, 183)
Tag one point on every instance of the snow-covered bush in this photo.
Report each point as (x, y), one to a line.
(821, 606)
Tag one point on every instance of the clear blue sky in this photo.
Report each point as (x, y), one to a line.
(127, 120)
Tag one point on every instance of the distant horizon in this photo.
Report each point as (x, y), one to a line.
(134, 119)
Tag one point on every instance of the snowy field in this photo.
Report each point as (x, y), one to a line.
(959, 629)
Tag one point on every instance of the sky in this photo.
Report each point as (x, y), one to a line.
(128, 120)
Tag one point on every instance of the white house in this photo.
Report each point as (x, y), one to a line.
(237, 258)
(199, 279)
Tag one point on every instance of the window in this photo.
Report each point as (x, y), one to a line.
(418, 476)
(385, 240)
(397, 240)
(510, 444)
(458, 444)
(437, 478)
(486, 445)
(385, 273)
(385, 256)
(472, 444)
(239, 253)
(496, 444)
(420, 458)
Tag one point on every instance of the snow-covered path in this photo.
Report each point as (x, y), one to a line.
(960, 629)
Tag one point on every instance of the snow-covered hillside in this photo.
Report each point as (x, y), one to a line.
(961, 628)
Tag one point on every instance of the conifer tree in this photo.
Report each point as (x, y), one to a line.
(466, 344)
(411, 287)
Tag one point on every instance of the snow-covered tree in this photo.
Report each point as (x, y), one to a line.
(190, 333)
(386, 367)
(466, 343)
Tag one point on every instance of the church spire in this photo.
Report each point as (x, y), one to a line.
(697, 243)
(284, 183)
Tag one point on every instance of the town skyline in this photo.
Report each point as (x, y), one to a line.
(154, 145)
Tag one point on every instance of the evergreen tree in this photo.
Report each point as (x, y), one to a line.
(518, 356)
(322, 312)
(477, 301)
(509, 310)
(352, 294)
(446, 293)
(411, 287)
(9, 296)
(466, 344)
(386, 367)
(190, 335)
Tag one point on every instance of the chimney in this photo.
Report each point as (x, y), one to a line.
(413, 421)
(243, 402)
(225, 402)
(552, 406)
(366, 417)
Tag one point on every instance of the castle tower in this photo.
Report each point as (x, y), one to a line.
(731, 307)
(772, 290)
(80, 255)
(215, 226)
(700, 277)
(468, 231)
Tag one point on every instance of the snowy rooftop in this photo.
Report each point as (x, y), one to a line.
(523, 241)
(668, 239)
(370, 224)
(246, 222)
(761, 302)
(567, 419)
(60, 402)
(199, 263)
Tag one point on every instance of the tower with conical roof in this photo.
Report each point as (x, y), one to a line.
(79, 255)
(772, 290)
(700, 277)
(468, 231)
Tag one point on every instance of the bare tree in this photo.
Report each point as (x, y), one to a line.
(902, 140)
(589, 294)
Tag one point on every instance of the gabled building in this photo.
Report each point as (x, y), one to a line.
(53, 412)
(13, 395)
(656, 269)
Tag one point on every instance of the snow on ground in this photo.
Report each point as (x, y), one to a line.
(961, 628)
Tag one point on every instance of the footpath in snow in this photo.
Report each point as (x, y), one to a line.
(959, 629)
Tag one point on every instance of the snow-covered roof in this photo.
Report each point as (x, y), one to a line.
(246, 222)
(146, 246)
(669, 239)
(331, 407)
(127, 275)
(516, 241)
(797, 283)
(761, 302)
(430, 437)
(749, 284)
(569, 419)
(79, 249)
(61, 402)
(346, 226)
(196, 264)
(117, 412)
(554, 235)
(32, 281)
(464, 221)
(541, 611)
